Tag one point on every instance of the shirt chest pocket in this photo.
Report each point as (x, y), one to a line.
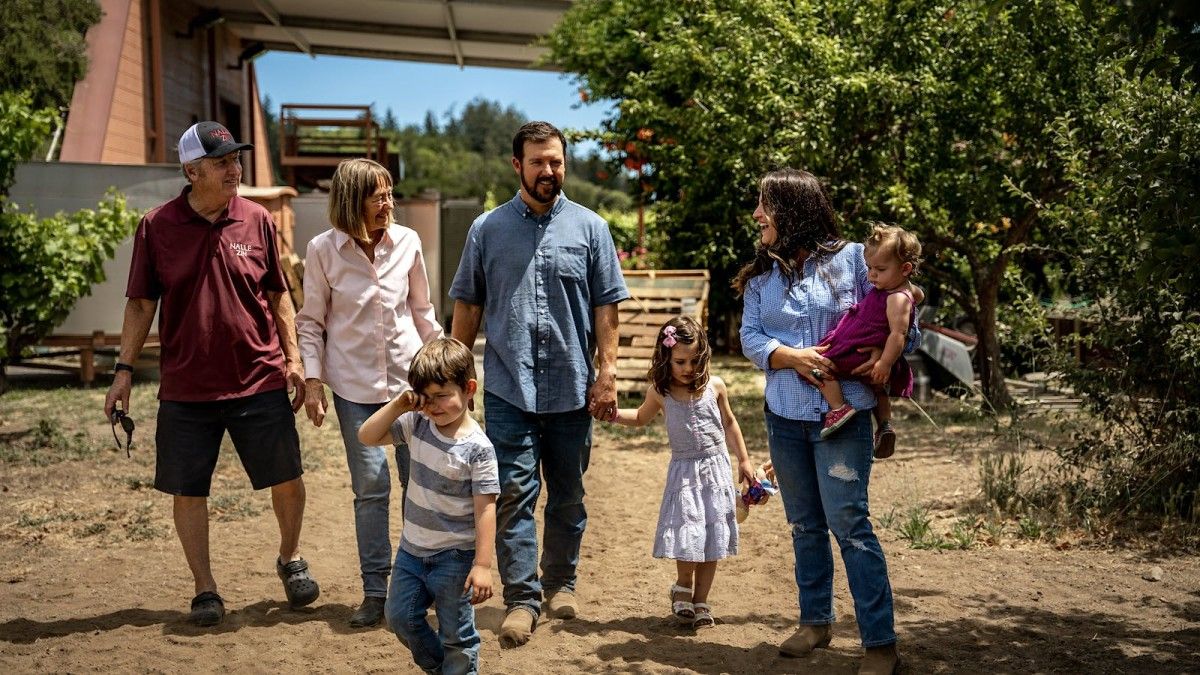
(571, 262)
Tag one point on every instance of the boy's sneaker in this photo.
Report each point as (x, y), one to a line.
(836, 419)
(885, 441)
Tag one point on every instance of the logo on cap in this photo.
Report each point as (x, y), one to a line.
(221, 133)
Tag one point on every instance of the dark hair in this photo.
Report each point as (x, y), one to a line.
(896, 240)
(687, 331)
(803, 218)
(536, 132)
(441, 361)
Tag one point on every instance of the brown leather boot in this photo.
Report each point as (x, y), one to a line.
(806, 639)
(880, 661)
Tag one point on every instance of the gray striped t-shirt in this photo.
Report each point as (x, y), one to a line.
(444, 475)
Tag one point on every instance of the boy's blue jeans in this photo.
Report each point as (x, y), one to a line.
(437, 580)
(823, 485)
(531, 449)
(372, 484)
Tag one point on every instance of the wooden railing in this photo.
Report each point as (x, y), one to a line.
(313, 139)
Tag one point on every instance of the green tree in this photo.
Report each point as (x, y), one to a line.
(22, 130)
(48, 263)
(42, 47)
(390, 124)
(1161, 36)
(271, 122)
(937, 119)
(1132, 227)
(484, 127)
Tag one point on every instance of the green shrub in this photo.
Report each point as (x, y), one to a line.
(1134, 215)
(49, 264)
(22, 130)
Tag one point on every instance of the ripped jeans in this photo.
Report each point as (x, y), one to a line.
(823, 485)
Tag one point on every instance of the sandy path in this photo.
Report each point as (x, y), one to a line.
(74, 601)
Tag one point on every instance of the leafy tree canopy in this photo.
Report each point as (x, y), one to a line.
(937, 119)
(42, 47)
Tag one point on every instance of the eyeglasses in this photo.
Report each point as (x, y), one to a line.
(119, 417)
(380, 200)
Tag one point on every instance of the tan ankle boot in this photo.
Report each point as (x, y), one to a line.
(561, 605)
(806, 639)
(517, 627)
(880, 661)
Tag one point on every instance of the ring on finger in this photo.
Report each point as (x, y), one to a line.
(817, 374)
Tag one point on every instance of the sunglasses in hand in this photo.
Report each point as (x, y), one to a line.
(119, 417)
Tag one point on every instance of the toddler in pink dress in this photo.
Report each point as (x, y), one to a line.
(879, 320)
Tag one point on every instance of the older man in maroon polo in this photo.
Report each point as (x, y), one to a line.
(229, 356)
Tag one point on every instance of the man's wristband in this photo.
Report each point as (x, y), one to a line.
(123, 366)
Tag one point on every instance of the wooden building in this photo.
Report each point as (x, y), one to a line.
(158, 66)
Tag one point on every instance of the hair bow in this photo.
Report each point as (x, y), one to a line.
(669, 336)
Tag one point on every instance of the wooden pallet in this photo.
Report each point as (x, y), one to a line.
(656, 297)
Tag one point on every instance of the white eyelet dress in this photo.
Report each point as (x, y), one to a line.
(697, 520)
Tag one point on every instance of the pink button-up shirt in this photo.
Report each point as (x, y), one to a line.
(363, 322)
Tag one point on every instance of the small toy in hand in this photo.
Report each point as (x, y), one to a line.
(758, 492)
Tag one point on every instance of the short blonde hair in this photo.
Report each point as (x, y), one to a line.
(354, 181)
(896, 240)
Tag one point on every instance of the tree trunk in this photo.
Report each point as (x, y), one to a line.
(987, 353)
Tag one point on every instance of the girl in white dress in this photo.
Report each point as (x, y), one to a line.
(697, 523)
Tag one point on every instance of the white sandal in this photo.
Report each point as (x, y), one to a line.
(682, 609)
(704, 617)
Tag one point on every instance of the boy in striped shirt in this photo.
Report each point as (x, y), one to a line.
(446, 548)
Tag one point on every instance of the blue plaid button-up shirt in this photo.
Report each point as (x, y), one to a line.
(538, 279)
(799, 315)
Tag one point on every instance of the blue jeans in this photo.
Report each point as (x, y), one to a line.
(372, 485)
(437, 580)
(823, 485)
(556, 445)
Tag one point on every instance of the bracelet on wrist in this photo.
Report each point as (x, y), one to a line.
(122, 366)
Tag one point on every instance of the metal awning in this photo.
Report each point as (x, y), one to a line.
(492, 33)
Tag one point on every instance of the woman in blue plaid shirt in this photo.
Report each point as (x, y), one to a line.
(804, 276)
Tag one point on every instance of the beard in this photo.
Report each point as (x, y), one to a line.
(537, 190)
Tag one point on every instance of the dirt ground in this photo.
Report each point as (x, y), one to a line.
(93, 579)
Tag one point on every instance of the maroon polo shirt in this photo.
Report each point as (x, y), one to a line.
(218, 335)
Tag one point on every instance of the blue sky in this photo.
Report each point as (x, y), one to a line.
(411, 89)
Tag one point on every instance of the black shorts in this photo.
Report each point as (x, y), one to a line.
(262, 427)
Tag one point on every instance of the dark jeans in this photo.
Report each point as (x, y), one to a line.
(530, 449)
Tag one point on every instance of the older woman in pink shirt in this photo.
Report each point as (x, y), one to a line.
(366, 313)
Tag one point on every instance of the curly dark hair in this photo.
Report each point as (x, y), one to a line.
(797, 206)
(687, 331)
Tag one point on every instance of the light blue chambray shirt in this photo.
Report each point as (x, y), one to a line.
(775, 314)
(538, 279)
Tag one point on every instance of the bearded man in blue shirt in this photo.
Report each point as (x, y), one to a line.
(541, 274)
